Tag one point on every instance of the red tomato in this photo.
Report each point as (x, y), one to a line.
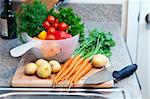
(51, 30)
(46, 24)
(50, 37)
(64, 36)
(56, 25)
(57, 21)
(68, 35)
(63, 26)
(50, 19)
(59, 35)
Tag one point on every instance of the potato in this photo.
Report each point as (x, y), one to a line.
(44, 70)
(30, 68)
(40, 61)
(100, 60)
(55, 66)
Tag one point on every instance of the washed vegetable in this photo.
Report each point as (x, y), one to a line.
(56, 25)
(83, 72)
(50, 19)
(68, 16)
(100, 60)
(50, 37)
(67, 63)
(30, 18)
(63, 26)
(67, 70)
(51, 30)
(40, 62)
(55, 66)
(46, 25)
(42, 35)
(79, 62)
(30, 68)
(98, 42)
(81, 69)
(44, 70)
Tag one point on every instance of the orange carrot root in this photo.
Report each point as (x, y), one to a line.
(83, 72)
(67, 70)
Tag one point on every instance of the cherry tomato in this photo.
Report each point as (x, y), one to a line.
(68, 35)
(50, 37)
(58, 35)
(50, 30)
(56, 25)
(63, 26)
(46, 24)
(63, 34)
(57, 21)
(50, 19)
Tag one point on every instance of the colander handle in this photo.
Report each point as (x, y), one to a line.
(22, 49)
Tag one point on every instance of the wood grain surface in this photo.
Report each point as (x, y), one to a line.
(20, 79)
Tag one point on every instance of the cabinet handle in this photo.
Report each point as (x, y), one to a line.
(147, 18)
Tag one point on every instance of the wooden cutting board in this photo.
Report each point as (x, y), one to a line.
(20, 79)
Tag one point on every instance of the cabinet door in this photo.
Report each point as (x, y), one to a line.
(143, 48)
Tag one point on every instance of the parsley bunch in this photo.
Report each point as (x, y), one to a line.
(30, 18)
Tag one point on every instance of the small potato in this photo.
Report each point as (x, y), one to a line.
(55, 66)
(100, 60)
(40, 62)
(30, 68)
(44, 70)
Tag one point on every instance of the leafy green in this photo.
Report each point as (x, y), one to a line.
(98, 42)
(30, 18)
(68, 16)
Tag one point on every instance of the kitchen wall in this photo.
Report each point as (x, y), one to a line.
(93, 12)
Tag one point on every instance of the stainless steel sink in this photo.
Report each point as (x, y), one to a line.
(59, 93)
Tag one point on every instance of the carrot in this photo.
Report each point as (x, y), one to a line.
(82, 66)
(67, 70)
(63, 68)
(74, 68)
(83, 72)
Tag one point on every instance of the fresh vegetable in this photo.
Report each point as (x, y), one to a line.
(46, 25)
(30, 18)
(100, 60)
(63, 26)
(50, 37)
(60, 35)
(98, 42)
(75, 59)
(64, 67)
(55, 66)
(56, 25)
(83, 72)
(42, 35)
(81, 69)
(50, 19)
(40, 62)
(68, 16)
(74, 68)
(51, 30)
(44, 70)
(30, 68)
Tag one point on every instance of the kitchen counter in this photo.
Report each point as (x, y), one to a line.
(119, 59)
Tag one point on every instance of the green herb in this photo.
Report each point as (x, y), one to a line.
(31, 17)
(98, 42)
(68, 16)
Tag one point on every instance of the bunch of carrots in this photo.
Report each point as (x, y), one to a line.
(80, 63)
